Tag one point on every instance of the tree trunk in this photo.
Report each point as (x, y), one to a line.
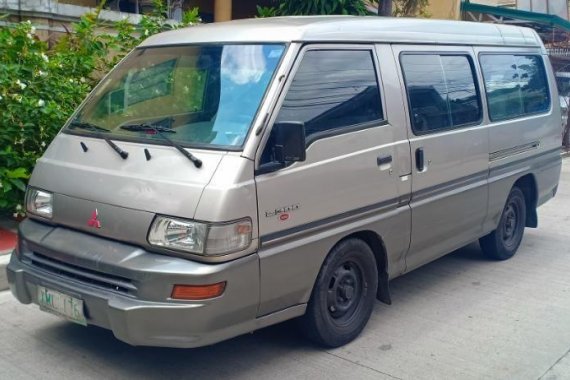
(385, 8)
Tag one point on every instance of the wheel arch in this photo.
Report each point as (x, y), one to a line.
(527, 184)
(375, 242)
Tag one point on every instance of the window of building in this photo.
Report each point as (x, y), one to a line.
(516, 85)
(442, 91)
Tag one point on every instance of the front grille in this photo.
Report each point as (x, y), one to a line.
(89, 276)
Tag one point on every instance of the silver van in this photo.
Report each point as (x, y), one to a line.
(231, 176)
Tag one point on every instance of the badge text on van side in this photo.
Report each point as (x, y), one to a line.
(281, 210)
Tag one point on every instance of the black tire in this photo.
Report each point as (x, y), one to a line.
(502, 244)
(343, 295)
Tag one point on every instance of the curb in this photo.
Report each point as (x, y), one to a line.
(4, 260)
(8, 229)
(8, 224)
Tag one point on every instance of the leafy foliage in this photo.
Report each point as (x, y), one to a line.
(410, 8)
(40, 87)
(322, 7)
(341, 7)
(314, 7)
(263, 12)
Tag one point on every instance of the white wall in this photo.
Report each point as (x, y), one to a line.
(53, 9)
(553, 7)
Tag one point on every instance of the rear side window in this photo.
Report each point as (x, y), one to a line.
(442, 92)
(516, 85)
(333, 89)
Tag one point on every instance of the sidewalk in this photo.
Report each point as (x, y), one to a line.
(8, 240)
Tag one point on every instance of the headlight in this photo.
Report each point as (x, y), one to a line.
(39, 202)
(200, 238)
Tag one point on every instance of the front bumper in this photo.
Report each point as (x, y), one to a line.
(127, 290)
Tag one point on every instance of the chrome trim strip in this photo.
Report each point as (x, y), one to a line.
(456, 186)
(463, 182)
(335, 219)
(541, 159)
(513, 151)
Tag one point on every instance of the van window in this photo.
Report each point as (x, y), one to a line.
(442, 91)
(333, 89)
(462, 93)
(515, 84)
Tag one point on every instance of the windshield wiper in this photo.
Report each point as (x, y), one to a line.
(87, 126)
(98, 130)
(161, 132)
(147, 127)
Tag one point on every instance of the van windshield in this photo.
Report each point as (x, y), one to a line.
(202, 95)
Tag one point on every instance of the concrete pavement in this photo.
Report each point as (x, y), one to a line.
(460, 317)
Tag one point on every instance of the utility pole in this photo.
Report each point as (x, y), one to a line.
(385, 8)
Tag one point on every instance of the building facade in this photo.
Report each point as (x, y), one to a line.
(451, 9)
(54, 14)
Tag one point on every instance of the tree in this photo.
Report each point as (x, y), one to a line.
(321, 7)
(345, 7)
(385, 8)
(403, 8)
(40, 86)
(410, 8)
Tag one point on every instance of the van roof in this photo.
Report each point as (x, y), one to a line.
(350, 29)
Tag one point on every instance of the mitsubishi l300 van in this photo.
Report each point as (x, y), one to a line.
(227, 177)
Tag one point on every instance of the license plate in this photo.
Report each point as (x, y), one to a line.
(62, 305)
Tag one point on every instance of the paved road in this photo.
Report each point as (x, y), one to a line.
(461, 317)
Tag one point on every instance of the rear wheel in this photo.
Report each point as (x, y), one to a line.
(343, 296)
(502, 244)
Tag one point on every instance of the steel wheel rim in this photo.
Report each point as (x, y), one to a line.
(511, 224)
(344, 292)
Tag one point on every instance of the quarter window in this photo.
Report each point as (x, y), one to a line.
(516, 85)
(333, 89)
(441, 90)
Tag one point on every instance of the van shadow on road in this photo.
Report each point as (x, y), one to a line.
(237, 357)
(279, 349)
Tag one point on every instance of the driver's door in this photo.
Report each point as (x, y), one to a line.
(354, 160)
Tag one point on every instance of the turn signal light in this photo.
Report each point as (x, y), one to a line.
(198, 292)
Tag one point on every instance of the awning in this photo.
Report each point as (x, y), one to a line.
(551, 28)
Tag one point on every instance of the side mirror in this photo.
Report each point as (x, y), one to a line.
(289, 141)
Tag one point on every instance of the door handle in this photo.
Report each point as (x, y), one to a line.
(383, 160)
(420, 159)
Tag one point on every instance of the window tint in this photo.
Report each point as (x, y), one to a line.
(333, 89)
(441, 91)
(427, 92)
(462, 94)
(534, 88)
(207, 94)
(502, 86)
(515, 85)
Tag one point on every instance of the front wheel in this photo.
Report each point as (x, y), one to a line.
(343, 295)
(502, 244)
